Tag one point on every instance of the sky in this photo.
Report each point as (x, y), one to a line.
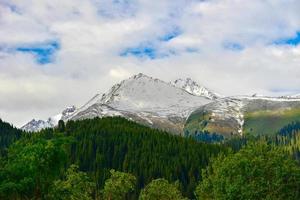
(57, 53)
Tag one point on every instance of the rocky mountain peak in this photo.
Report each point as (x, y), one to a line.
(194, 88)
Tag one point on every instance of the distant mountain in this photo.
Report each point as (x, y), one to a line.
(192, 87)
(140, 98)
(37, 125)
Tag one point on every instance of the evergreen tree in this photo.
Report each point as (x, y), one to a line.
(161, 189)
(76, 186)
(258, 171)
(61, 126)
(119, 185)
(31, 167)
(8, 135)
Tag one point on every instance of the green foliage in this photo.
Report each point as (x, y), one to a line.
(31, 167)
(288, 137)
(260, 122)
(116, 143)
(118, 185)
(8, 135)
(258, 171)
(268, 122)
(99, 145)
(61, 126)
(161, 189)
(76, 186)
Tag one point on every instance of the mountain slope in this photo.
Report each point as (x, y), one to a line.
(142, 99)
(146, 100)
(183, 106)
(192, 87)
(242, 115)
(37, 125)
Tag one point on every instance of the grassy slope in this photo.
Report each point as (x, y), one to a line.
(269, 122)
(197, 121)
(263, 122)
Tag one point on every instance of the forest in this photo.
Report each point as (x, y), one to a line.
(114, 158)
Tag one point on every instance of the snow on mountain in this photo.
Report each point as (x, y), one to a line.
(192, 87)
(144, 99)
(170, 106)
(140, 98)
(141, 92)
(65, 114)
(37, 125)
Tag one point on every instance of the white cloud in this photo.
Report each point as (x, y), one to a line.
(93, 33)
(119, 73)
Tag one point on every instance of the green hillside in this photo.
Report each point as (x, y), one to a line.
(98, 145)
(269, 121)
(8, 135)
(262, 122)
(114, 158)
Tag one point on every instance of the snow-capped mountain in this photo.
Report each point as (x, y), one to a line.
(36, 125)
(181, 106)
(146, 100)
(143, 99)
(194, 88)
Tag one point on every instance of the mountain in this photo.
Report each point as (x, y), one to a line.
(36, 125)
(183, 107)
(146, 100)
(143, 99)
(244, 115)
(192, 87)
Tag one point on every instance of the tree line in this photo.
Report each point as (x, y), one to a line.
(98, 145)
(114, 158)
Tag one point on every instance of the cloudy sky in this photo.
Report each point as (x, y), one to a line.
(56, 53)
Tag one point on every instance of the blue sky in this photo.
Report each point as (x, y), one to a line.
(56, 53)
(43, 53)
(291, 41)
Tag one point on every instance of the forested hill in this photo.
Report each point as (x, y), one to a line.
(75, 161)
(8, 134)
(98, 145)
(102, 144)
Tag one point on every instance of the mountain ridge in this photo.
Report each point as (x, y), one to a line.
(141, 98)
(173, 106)
(194, 88)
